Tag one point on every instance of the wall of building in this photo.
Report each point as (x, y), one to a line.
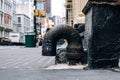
(68, 11)
(58, 20)
(26, 8)
(14, 18)
(23, 25)
(23, 22)
(6, 17)
(78, 16)
(47, 7)
(73, 12)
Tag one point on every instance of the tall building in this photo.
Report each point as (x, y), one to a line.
(6, 16)
(47, 7)
(26, 7)
(24, 14)
(23, 25)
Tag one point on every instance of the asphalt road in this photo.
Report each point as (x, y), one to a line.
(20, 63)
(68, 74)
(15, 57)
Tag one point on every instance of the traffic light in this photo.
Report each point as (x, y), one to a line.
(47, 20)
(42, 13)
(36, 13)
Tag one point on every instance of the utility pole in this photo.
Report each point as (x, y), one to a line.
(38, 13)
(35, 17)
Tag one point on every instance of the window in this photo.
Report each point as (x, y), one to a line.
(1, 17)
(69, 6)
(69, 0)
(1, 3)
(19, 19)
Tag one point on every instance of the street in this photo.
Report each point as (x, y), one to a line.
(21, 63)
(16, 57)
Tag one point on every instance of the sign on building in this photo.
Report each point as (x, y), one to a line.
(6, 18)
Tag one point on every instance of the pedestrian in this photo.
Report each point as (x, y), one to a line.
(38, 41)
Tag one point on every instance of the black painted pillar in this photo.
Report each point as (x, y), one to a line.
(102, 33)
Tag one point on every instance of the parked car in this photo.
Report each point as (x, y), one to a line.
(5, 41)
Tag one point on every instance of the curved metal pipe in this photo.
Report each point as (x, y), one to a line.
(74, 48)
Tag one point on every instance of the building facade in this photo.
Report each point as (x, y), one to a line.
(68, 11)
(58, 20)
(73, 11)
(78, 16)
(23, 25)
(14, 19)
(27, 8)
(6, 16)
(47, 7)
